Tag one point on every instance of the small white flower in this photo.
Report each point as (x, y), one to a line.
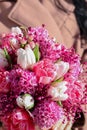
(14, 42)
(26, 57)
(26, 101)
(3, 60)
(16, 31)
(62, 68)
(58, 91)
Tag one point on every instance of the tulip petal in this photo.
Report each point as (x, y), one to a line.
(62, 68)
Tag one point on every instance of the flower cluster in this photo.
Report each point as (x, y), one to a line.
(83, 78)
(39, 81)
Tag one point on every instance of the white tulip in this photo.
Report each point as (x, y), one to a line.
(26, 58)
(58, 91)
(26, 101)
(62, 68)
(16, 31)
(3, 60)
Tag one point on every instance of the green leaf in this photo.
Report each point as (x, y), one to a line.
(37, 52)
(58, 80)
(7, 56)
(60, 103)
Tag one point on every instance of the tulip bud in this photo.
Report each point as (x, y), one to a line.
(62, 68)
(58, 91)
(26, 58)
(26, 101)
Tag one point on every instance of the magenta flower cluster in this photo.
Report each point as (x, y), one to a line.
(37, 67)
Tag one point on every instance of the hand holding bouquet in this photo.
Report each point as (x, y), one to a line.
(39, 85)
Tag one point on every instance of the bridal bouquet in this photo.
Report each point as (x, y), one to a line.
(39, 81)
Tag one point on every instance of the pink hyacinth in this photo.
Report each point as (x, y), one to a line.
(48, 47)
(75, 93)
(38, 33)
(83, 78)
(41, 92)
(4, 81)
(83, 74)
(22, 81)
(73, 59)
(7, 103)
(47, 113)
